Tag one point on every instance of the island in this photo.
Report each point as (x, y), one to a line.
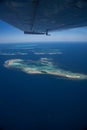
(42, 66)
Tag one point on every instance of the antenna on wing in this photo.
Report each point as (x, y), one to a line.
(47, 33)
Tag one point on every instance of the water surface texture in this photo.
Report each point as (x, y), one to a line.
(33, 99)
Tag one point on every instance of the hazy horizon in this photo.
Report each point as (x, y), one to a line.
(10, 34)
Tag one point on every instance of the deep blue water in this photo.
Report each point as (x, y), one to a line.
(44, 102)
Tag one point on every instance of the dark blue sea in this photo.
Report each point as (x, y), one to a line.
(43, 102)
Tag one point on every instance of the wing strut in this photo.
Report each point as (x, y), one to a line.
(35, 4)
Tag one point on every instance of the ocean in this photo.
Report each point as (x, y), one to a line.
(43, 101)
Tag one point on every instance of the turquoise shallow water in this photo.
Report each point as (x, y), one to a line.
(39, 102)
(42, 66)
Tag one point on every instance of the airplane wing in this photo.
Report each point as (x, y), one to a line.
(41, 16)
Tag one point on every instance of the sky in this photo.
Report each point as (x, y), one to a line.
(10, 34)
